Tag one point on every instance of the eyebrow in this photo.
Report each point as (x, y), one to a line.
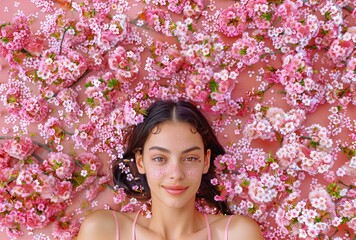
(167, 151)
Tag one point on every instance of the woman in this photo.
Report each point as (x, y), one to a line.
(173, 150)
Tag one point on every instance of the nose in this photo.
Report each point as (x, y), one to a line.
(176, 170)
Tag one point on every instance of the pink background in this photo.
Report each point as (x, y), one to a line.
(245, 84)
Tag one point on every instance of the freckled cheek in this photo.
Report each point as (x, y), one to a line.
(160, 172)
(191, 172)
(156, 173)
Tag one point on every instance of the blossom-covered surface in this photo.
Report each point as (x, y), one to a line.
(277, 79)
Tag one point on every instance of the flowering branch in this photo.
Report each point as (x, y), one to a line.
(35, 142)
(349, 9)
(64, 33)
(37, 157)
(348, 186)
(261, 93)
(80, 78)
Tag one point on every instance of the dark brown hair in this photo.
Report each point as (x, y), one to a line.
(159, 112)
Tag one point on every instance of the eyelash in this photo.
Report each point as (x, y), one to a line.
(191, 159)
(188, 159)
(161, 159)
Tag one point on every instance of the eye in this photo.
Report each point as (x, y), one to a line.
(191, 159)
(158, 159)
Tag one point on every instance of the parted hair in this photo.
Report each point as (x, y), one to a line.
(159, 112)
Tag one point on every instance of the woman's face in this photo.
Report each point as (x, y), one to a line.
(174, 161)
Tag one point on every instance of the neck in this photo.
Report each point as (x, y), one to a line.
(175, 223)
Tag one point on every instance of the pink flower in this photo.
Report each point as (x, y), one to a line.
(166, 60)
(190, 8)
(247, 50)
(59, 163)
(61, 71)
(13, 100)
(4, 159)
(84, 135)
(63, 190)
(321, 200)
(125, 116)
(352, 224)
(15, 36)
(66, 228)
(35, 45)
(232, 21)
(19, 147)
(92, 191)
(52, 130)
(177, 6)
(34, 109)
(340, 50)
(14, 232)
(282, 220)
(157, 19)
(193, 8)
(114, 32)
(91, 160)
(120, 196)
(124, 63)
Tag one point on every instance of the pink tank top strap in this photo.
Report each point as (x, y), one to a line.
(207, 226)
(117, 226)
(227, 227)
(134, 226)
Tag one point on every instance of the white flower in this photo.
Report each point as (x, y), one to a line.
(302, 233)
(84, 173)
(238, 189)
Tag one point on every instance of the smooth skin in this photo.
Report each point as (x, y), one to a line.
(174, 161)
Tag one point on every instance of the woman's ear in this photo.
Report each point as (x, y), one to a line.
(139, 162)
(207, 161)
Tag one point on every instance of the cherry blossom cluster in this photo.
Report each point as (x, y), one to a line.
(86, 76)
(34, 191)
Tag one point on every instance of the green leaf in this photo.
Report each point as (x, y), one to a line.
(93, 13)
(243, 51)
(91, 102)
(213, 85)
(11, 99)
(317, 219)
(5, 40)
(267, 16)
(245, 183)
(327, 15)
(260, 38)
(334, 190)
(271, 69)
(113, 83)
(88, 84)
(324, 32)
(270, 158)
(4, 25)
(52, 56)
(289, 190)
(77, 179)
(314, 144)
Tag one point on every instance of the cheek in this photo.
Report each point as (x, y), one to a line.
(193, 172)
(155, 173)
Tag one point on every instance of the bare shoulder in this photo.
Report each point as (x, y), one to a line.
(244, 227)
(99, 224)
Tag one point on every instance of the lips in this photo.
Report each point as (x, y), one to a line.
(175, 190)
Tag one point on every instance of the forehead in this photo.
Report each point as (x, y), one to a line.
(174, 135)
